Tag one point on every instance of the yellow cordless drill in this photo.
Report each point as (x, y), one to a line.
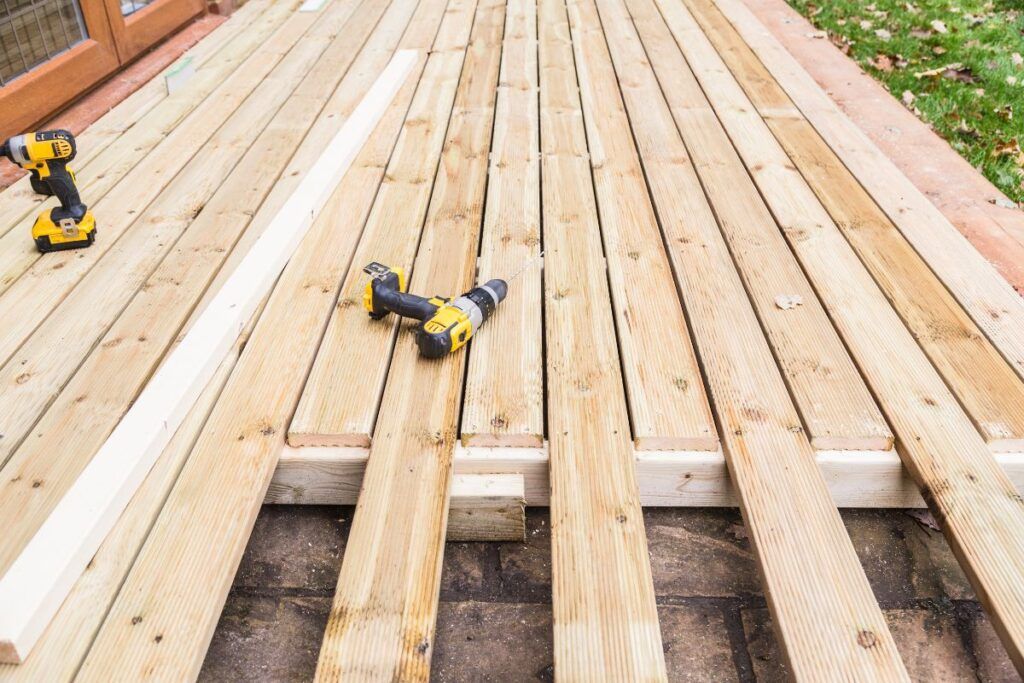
(446, 324)
(45, 155)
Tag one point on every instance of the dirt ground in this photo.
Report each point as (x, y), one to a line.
(494, 622)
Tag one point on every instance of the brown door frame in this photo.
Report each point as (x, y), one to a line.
(113, 41)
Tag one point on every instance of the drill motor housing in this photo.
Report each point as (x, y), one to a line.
(46, 155)
(446, 324)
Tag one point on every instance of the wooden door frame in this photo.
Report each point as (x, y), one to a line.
(142, 29)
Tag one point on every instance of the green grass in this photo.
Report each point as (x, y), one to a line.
(967, 83)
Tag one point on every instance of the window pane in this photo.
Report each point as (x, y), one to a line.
(33, 31)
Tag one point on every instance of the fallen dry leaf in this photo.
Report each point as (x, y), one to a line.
(882, 62)
(1016, 59)
(883, 34)
(866, 25)
(1003, 202)
(938, 50)
(1011, 80)
(924, 518)
(788, 301)
(908, 98)
(939, 26)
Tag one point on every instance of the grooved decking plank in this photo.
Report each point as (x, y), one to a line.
(182, 576)
(829, 624)
(32, 298)
(988, 298)
(605, 616)
(830, 395)
(667, 401)
(382, 620)
(982, 513)
(324, 416)
(504, 402)
(992, 393)
(19, 199)
(89, 407)
(18, 254)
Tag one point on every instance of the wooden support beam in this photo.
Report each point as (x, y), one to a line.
(37, 582)
(210, 512)
(856, 479)
(982, 513)
(816, 587)
(487, 507)
(504, 402)
(605, 615)
(382, 620)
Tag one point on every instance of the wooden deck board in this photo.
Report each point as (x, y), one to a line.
(695, 175)
(381, 625)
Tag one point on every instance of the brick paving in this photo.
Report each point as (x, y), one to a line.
(494, 621)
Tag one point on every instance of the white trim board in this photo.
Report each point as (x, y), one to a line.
(40, 578)
(856, 479)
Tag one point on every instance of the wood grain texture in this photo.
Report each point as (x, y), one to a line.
(993, 304)
(487, 507)
(992, 394)
(18, 254)
(324, 417)
(504, 401)
(822, 606)
(605, 617)
(109, 380)
(382, 619)
(982, 513)
(182, 576)
(667, 403)
(837, 410)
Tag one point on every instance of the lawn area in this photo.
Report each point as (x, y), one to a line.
(956, 63)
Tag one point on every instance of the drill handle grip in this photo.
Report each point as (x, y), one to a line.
(63, 187)
(388, 299)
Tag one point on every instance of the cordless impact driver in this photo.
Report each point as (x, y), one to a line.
(45, 155)
(446, 324)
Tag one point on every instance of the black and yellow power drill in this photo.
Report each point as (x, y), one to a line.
(45, 155)
(446, 324)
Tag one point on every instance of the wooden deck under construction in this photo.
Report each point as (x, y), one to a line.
(742, 302)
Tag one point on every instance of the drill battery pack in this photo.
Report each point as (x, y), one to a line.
(53, 232)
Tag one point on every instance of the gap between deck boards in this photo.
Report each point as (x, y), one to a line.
(856, 479)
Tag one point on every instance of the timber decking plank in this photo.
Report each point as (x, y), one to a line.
(988, 298)
(382, 620)
(19, 199)
(324, 417)
(667, 401)
(605, 616)
(821, 602)
(183, 574)
(982, 513)
(110, 379)
(992, 393)
(112, 163)
(830, 395)
(504, 401)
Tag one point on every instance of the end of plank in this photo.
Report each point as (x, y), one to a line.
(873, 442)
(350, 440)
(708, 442)
(503, 440)
(487, 507)
(9, 653)
(1007, 445)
